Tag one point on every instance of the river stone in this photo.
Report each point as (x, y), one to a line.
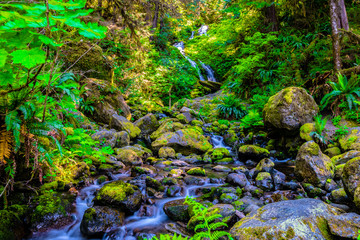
(265, 165)
(112, 138)
(120, 195)
(141, 151)
(100, 219)
(177, 210)
(351, 179)
(11, 227)
(128, 157)
(216, 154)
(169, 125)
(312, 165)
(185, 141)
(351, 141)
(264, 181)
(237, 179)
(343, 158)
(147, 124)
(252, 152)
(346, 225)
(166, 152)
(292, 219)
(289, 109)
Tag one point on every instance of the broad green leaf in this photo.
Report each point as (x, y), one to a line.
(6, 78)
(94, 31)
(49, 41)
(3, 57)
(29, 58)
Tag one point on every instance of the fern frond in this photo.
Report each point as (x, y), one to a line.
(5, 145)
(219, 234)
(200, 226)
(213, 217)
(216, 225)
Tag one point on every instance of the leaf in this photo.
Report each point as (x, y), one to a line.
(29, 58)
(3, 57)
(93, 30)
(49, 41)
(5, 145)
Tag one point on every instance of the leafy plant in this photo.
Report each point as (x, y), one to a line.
(252, 120)
(207, 227)
(231, 108)
(344, 89)
(170, 237)
(318, 135)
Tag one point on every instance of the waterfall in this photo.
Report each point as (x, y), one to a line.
(181, 46)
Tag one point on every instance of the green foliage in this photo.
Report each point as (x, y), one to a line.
(207, 228)
(252, 120)
(170, 237)
(343, 90)
(231, 108)
(318, 135)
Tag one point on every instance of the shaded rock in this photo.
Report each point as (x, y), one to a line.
(147, 124)
(169, 125)
(191, 180)
(339, 196)
(128, 157)
(279, 179)
(252, 152)
(293, 219)
(177, 210)
(237, 179)
(343, 158)
(174, 191)
(185, 141)
(289, 109)
(153, 183)
(166, 152)
(332, 152)
(99, 220)
(312, 165)
(265, 165)
(264, 181)
(216, 154)
(141, 170)
(351, 141)
(120, 195)
(228, 198)
(351, 179)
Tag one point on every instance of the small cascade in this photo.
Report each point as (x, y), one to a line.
(209, 72)
(218, 142)
(181, 46)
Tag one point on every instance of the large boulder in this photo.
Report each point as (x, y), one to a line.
(128, 157)
(112, 138)
(312, 166)
(168, 125)
(252, 152)
(120, 195)
(99, 220)
(177, 210)
(87, 58)
(185, 141)
(296, 219)
(289, 109)
(345, 157)
(351, 141)
(351, 179)
(109, 106)
(147, 124)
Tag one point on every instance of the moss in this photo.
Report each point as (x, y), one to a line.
(305, 131)
(10, 225)
(263, 175)
(49, 186)
(197, 123)
(182, 118)
(117, 191)
(69, 131)
(252, 149)
(197, 171)
(106, 167)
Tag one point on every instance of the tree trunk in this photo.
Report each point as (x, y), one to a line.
(271, 18)
(156, 15)
(343, 19)
(335, 34)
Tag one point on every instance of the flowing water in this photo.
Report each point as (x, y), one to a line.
(208, 70)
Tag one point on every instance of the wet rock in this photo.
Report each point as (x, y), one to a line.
(312, 165)
(216, 154)
(265, 165)
(141, 151)
(289, 109)
(351, 141)
(330, 185)
(293, 219)
(252, 152)
(292, 185)
(345, 225)
(166, 152)
(351, 179)
(190, 180)
(185, 141)
(230, 138)
(279, 179)
(128, 157)
(345, 157)
(174, 191)
(100, 219)
(237, 179)
(228, 198)
(147, 124)
(313, 191)
(197, 171)
(153, 183)
(176, 173)
(169, 181)
(141, 170)
(220, 168)
(177, 210)
(339, 196)
(264, 181)
(120, 195)
(11, 227)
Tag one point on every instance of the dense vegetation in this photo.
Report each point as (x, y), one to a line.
(70, 69)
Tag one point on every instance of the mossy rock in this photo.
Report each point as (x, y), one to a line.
(345, 157)
(305, 131)
(230, 138)
(120, 195)
(351, 141)
(128, 157)
(216, 154)
(155, 184)
(290, 220)
(167, 152)
(169, 125)
(177, 210)
(185, 141)
(147, 124)
(312, 166)
(289, 109)
(351, 176)
(252, 152)
(141, 170)
(11, 227)
(197, 171)
(332, 152)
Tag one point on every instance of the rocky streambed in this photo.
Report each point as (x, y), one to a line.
(260, 191)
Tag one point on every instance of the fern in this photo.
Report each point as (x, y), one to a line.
(170, 237)
(318, 135)
(5, 145)
(230, 107)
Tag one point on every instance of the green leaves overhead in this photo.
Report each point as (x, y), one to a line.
(3, 56)
(29, 58)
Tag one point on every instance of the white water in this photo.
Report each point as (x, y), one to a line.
(218, 142)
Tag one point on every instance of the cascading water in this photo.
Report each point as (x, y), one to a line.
(181, 46)
(218, 142)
